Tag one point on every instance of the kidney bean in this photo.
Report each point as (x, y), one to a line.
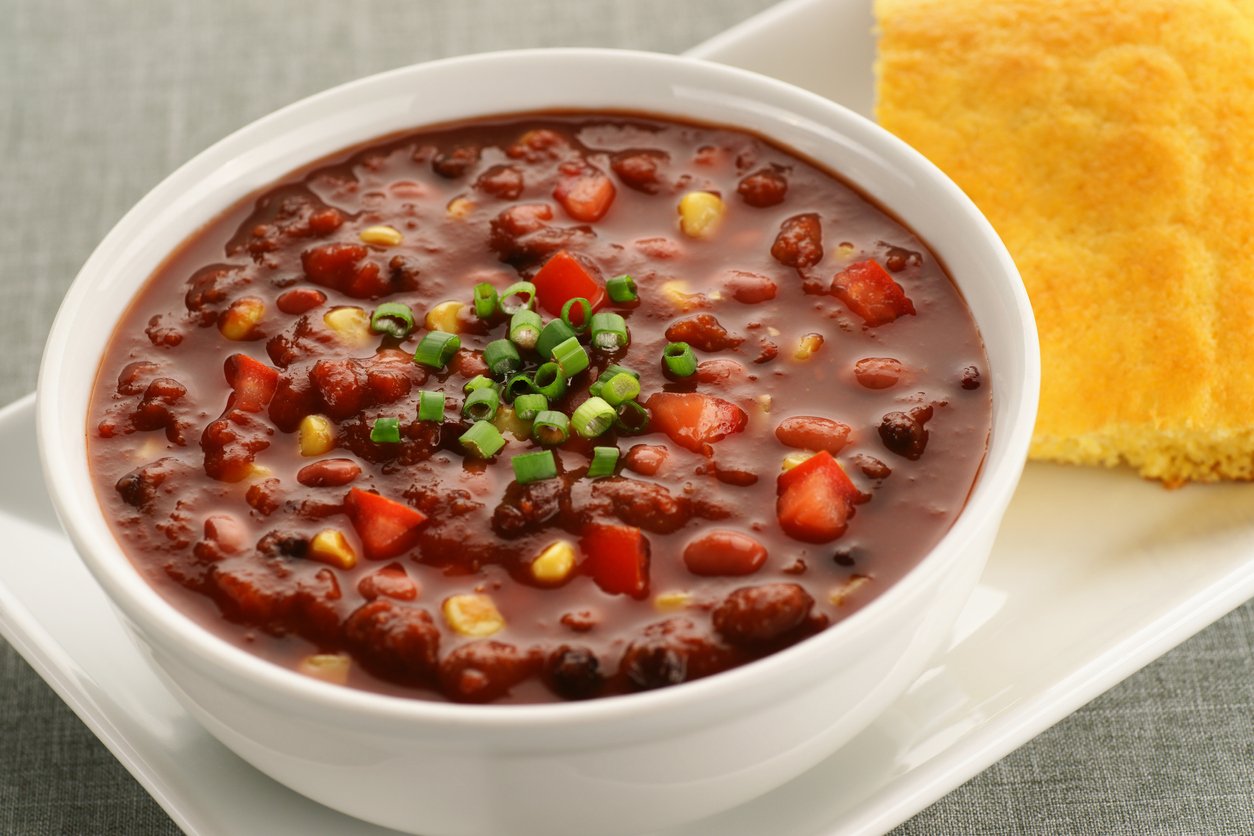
(300, 300)
(720, 370)
(325, 221)
(134, 377)
(573, 672)
(755, 615)
(763, 188)
(646, 459)
(501, 181)
(139, 488)
(483, 671)
(395, 641)
(970, 378)
(878, 372)
(328, 473)
(642, 504)
(640, 169)
(810, 432)
(390, 581)
(341, 385)
(536, 145)
(671, 652)
(871, 466)
(903, 434)
(455, 162)
(294, 398)
(581, 621)
(724, 552)
(208, 288)
(702, 331)
(799, 242)
(750, 288)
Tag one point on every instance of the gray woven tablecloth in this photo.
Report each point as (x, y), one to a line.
(100, 100)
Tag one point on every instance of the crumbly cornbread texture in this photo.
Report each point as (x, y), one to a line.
(1111, 144)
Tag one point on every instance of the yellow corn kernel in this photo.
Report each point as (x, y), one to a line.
(329, 667)
(765, 402)
(258, 471)
(382, 236)
(807, 346)
(351, 325)
(507, 420)
(671, 601)
(677, 293)
(772, 330)
(840, 594)
(845, 249)
(793, 459)
(443, 317)
(331, 546)
(472, 615)
(241, 318)
(316, 434)
(700, 214)
(460, 207)
(555, 563)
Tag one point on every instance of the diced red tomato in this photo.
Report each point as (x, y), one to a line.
(694, 420)
(339, 266)
(253, 382)
(870, 292)
(562, 278)
(387, 528)
(815, 499)
(586, 194)
(617, 559)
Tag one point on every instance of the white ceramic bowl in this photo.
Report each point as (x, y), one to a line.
(618, 765)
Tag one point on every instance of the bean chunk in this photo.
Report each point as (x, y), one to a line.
(762, 614)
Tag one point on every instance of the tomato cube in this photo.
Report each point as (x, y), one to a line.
(585, 195)
(868, 290)
(815, 499)
(562, 278)
(694, 420)
(253, 382)
(617, 559)
(387, 528)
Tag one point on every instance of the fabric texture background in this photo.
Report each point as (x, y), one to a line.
(100, 99)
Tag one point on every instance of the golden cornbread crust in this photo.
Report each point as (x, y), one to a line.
(1111, 144)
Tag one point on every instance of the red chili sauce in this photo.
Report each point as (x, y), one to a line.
(262, 453)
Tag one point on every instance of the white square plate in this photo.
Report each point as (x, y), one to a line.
(1094, 575)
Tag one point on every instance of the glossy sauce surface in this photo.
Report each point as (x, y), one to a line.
(217, 505)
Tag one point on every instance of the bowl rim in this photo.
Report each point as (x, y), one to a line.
(160, 621)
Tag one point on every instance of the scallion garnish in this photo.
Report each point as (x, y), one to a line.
(528, 406)
(394, 319)
(524, 328)
(430, 406)
(534, 467)
(610, 372)
(609, 331)
(593, 417)
(481, 404)
(570, 357)
(386, 431)
(604, 460)
(585, 312)
(622, 289)
(549, 381)
(502, 358)
(679, 359)
(631, 418)
(486, 300)
(518, 297)
(553, 334)
(437, 348)
(479, 381)
(482, 439)
(519, 384)
(619, 388)
(550, 428)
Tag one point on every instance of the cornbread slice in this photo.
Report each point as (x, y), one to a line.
(1111, 144)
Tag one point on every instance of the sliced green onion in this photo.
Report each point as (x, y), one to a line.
(394, 319)
(430, 406)
(485, 300)
(479, 381)
(437, 348)
(609, 374)
(386, 431)
(549, 381)
(528, 406)
(622, 289)
(609, 331)
(482, 439)
(620, 388)
(554, 333)
(570, 357)
(550, 428)
(502, 358)
(534, 467)
(481, 405)
(524, 328)
(519, 384)
(585, 312)
(679, 359)
(518, 297)
(593, 417)
(631, 418)
(604, 460)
